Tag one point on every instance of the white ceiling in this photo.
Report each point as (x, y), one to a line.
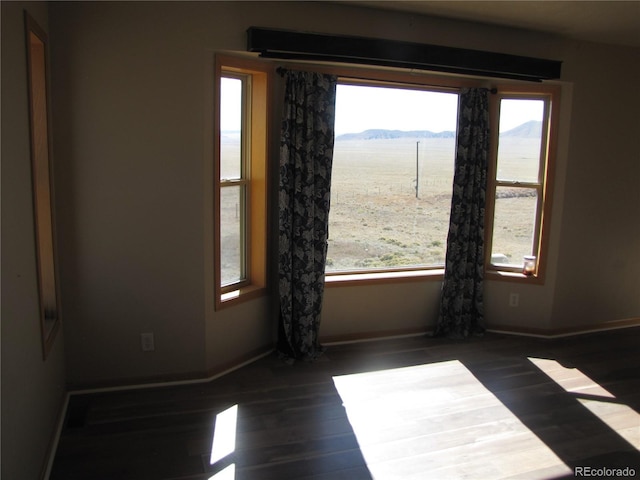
(612, 22)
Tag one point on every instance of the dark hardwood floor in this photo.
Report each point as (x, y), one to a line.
(414, 408)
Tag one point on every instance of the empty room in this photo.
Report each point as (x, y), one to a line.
(320, 240)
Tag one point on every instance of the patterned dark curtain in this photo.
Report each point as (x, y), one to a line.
(306, 154)
(461, 305)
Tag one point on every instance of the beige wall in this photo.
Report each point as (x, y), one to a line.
(133, 115)
(400, 308)
(599, 250)
(33, 389)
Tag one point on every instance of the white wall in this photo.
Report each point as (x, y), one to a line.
(32, 389)
(133, 119)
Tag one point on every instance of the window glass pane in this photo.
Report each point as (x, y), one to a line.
(232, 208)
(230, 128)
(386, 139)
(513, 225)
(520, 138)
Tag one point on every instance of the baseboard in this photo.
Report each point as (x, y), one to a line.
(495, 328)
(239, 362)
(134, 383)
(566, 331)
(372, 336)
(172, 381)
(329, 340)
(212, 375)
(53, 447)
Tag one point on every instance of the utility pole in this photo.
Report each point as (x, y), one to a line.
(417, 169)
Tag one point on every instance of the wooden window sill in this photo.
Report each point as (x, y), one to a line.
(240, 295)
(506, 276)
(372, 278)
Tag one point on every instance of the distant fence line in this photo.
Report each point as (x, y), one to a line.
(516, 193)
(409, 188)
(339, 192)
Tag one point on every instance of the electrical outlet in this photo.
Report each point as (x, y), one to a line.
(147, 342)
(514, 299)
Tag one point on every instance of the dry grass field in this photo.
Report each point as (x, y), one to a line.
(376, 221)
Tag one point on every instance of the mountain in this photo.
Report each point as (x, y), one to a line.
(376, 134)
(531, 129)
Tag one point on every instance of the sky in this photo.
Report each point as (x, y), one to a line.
(360, 108)
(516, 112)
(230, 107)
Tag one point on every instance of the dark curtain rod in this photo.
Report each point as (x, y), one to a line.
(282, 71)
(289, 45)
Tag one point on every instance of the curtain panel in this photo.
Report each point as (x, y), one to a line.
(461, 311)
(306, 155)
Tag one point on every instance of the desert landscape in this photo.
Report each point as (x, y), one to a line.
(376, 219)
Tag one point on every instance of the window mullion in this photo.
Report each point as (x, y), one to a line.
(233, 182)
(544, 144)
(516, 184)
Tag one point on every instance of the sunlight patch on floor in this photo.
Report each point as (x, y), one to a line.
(224, 441)
(595, 398)
(571, 379)
(439, 416)
(228, 473)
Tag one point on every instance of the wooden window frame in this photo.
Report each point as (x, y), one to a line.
(243, 182)
(550, 94)
(254, 180)
(42, 182)
(365, 76)
(421, 81)
(399, 273)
